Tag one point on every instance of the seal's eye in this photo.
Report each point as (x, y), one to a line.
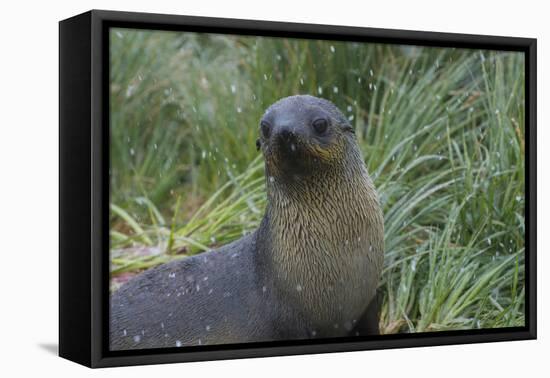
(320, 125)
(266, 129)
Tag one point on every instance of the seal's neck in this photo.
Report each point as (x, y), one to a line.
(319, 230)
(328, 210)
(325, 194)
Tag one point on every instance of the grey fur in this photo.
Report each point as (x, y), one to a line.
(310, 270)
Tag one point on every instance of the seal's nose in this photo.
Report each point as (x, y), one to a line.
(285, 134)
(286, 139)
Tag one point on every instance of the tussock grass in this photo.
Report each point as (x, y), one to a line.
(442, 133)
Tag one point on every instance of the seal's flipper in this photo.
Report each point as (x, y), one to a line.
(368, 323)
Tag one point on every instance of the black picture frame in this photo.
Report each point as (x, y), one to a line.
(84, 187)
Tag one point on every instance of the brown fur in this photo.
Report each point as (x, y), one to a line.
(326, 230)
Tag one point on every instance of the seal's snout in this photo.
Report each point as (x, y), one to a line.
(286, 140)
(285, 135)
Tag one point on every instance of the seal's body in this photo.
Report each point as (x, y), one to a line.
(310, 270)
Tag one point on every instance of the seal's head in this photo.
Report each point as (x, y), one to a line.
(303, 134)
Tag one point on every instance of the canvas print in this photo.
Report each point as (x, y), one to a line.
(267, 189)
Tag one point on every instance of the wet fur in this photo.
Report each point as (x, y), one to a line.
(310, 270)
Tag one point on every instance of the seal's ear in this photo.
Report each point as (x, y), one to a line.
(349, 128)
(258, 144)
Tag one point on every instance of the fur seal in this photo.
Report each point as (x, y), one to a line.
(310, 270)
